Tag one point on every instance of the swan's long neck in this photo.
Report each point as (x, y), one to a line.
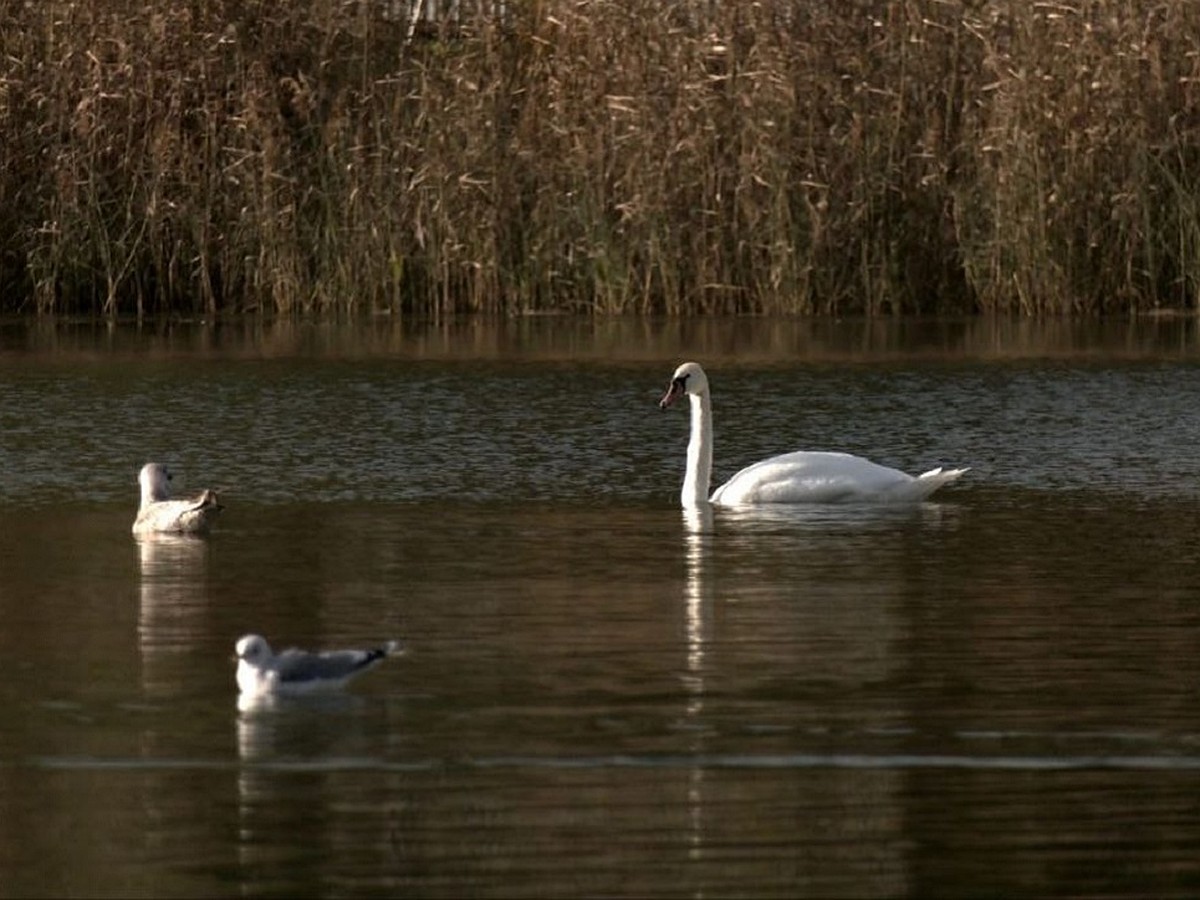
(699, 453)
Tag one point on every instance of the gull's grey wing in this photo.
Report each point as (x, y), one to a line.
(297, 666)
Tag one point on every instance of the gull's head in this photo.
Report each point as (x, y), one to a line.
(689, 378)
(155, 480)
(253, 649)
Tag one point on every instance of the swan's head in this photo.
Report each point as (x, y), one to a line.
(155, 480)
(253, 649)
(688, 379)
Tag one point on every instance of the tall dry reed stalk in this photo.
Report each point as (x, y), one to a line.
(603, 156)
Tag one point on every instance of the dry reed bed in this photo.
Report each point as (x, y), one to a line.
(608, 156)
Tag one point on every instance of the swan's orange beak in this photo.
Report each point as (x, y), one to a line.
(674, 392)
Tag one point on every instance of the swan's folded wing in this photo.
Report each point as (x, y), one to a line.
(812, 477)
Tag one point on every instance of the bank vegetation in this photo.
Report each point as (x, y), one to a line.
(600, 156)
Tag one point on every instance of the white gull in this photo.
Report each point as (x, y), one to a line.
(262, 672)
(158, 513)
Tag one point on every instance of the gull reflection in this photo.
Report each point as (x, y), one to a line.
(270, 724)
(257, 742)
(172, 594)
(275, 735)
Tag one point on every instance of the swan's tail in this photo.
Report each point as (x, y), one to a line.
(939, 477)
(929, 481)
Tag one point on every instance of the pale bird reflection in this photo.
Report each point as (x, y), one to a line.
(697, 533)
(698, 526)
(260, 670)
(172, 603)
(319, 732)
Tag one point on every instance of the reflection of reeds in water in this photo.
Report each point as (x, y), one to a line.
(713, 340)
(173, 604)
(601, 157)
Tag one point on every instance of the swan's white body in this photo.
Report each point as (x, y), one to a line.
(260, 672)
(158, 513)
(801, 477)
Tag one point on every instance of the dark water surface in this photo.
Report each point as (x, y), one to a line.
(996, 694)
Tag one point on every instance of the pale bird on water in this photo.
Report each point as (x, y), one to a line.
(261, 672)
(158, 513)
(805, 476)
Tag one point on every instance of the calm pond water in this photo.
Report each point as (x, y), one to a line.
(996, 694)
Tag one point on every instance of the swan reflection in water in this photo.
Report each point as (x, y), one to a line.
(857, 518)
(814, 613)
(697, 533)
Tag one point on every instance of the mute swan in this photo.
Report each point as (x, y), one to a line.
(159, 513)
(292, 671)
(800, 477)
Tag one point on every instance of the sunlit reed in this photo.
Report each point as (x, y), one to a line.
(600, 157)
